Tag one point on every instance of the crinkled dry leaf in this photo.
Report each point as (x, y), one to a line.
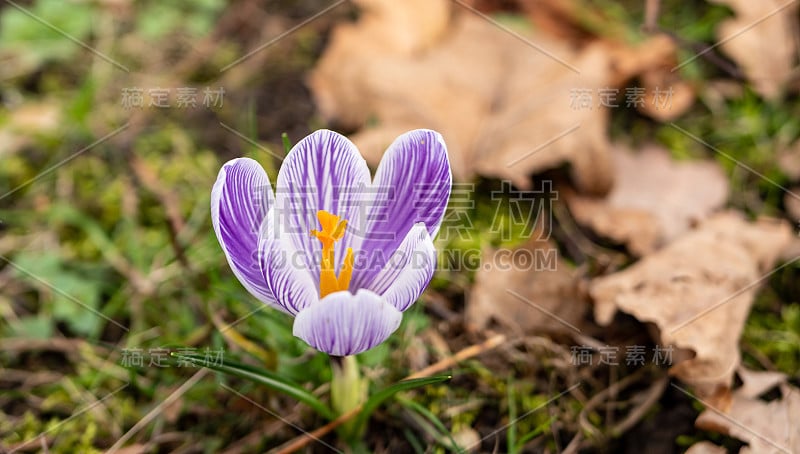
(11, 142)
(35, 117)
(756, 383)
(507, 104)
(26, 121)
(789, 161)
(791, 252)
(527, 289)
(667, 96)
(399, 27)
(791, 202)
(706, 447)
(698, 291)
(767, 427)
(761, 40)
(653, 200)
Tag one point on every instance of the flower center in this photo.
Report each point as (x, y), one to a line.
(332, 230)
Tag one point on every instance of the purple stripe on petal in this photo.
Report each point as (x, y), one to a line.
(345, 324)
(324, 171)
(240, 200)
(284, 270)
(412, 185)
(408, 271)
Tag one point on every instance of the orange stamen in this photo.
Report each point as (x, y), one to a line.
(332, 230)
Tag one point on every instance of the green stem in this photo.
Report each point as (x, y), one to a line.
(348, 391)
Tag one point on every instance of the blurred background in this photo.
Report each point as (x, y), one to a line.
(640, 156)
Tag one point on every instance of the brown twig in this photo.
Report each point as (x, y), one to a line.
(146, 178)
(650, 397)
(651, 12)
(462, 355)
(612, 390)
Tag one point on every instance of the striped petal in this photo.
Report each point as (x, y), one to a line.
(324, 171)
(408, 271)
(240, 200)
(344, 324)
(284, 270)
(412, 185)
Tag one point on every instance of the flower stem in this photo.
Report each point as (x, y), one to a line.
(348, 390)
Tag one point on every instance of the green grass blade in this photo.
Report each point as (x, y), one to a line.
(262, 377)
(287, 145)
(511, 434)
(377, 399)
(437, 423)
(413, 441)
(534, 433)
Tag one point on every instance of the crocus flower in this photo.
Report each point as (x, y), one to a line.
(343, 253)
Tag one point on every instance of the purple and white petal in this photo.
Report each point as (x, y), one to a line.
(408, 271)
(344, 324)
(324, 171)
(412, 185)
(240, 200)
(284, 270)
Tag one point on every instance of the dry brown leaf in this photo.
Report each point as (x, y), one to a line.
(11, 142)
(698, 291)
(792, 251)
(399, 27)
(767, 427)
(761, 40)
(26, 121)
(706, 447)
(789, 161)
(653, 200)
(791, 202)
(35, 117)
(667, 96)
(505, 103)
(528, 289)
(756, 383)
(486, 91)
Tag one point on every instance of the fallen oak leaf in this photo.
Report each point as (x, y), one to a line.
(789, 160)
(791, 203)
(706, 447)
(668, 97)
(767, 427)
(654, 199)
(756, 383)
(527, 289)
(27, 121)
(665, 96)
(698, 291)
(504, 99)
(399, 26)
(761, 40)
